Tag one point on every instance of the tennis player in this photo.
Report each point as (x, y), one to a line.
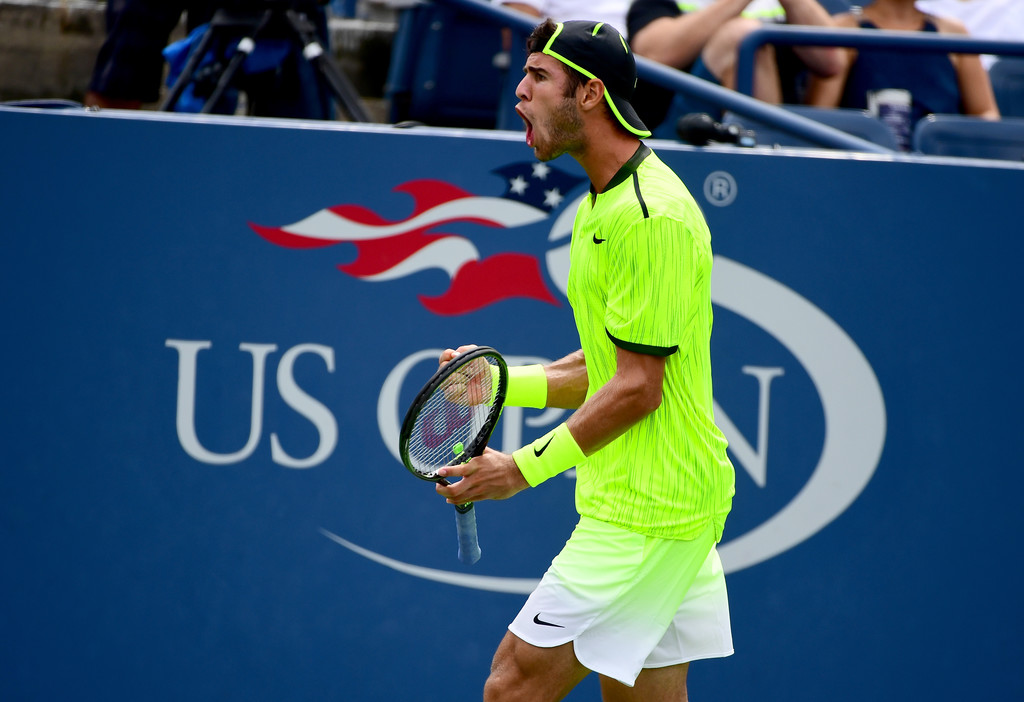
(638, 590)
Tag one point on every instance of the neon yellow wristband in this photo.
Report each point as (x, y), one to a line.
(551, 454)
(527, 386)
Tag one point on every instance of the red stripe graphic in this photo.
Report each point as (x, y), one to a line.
(387, 249)
(481, 283)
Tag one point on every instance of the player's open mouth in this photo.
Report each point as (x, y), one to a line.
(529, 126)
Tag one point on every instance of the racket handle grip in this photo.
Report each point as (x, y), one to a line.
(465, 522)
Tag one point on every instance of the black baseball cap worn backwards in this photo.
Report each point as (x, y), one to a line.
(598, 51)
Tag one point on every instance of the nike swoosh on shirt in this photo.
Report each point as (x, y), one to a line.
(538, 620)
(599, 241)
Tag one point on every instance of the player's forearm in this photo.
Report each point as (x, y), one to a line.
(632, 393)
(623, 402)
(609, 413)
(567, 381)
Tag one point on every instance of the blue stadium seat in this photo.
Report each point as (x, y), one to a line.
(859, 123)
(958, 135)
(448, 69)
(1007, 75)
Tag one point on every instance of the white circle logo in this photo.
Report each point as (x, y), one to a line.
(720, 188)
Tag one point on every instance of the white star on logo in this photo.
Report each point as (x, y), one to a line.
(518, 185)
(552, 198)
(541, 170)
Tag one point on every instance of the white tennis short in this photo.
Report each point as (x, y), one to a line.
(629, 601)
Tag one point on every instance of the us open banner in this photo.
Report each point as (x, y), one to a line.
(212, 329)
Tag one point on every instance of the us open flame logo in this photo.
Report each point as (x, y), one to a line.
(390, 249)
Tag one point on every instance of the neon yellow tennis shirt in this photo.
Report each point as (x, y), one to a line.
(640, 279)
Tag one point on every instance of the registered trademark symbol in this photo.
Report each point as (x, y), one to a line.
(720, 188)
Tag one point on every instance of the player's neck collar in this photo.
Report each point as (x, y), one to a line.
(627, 169)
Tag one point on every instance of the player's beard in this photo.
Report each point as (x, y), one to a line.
(562, 132)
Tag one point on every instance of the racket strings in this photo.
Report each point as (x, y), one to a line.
(452, 416)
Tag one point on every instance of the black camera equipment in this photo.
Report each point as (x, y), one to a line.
(251, 22)
(700, 129)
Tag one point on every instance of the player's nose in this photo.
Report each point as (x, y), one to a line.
(522, 90)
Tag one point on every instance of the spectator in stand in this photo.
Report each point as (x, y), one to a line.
(702, 37)
(926, 83)
(985, 19)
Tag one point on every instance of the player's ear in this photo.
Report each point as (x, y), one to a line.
(591, 95)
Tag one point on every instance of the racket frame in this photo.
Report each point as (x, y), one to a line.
(477, 445)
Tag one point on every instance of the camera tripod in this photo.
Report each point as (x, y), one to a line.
(282, 20)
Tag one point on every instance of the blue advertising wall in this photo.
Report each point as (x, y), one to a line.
(211, 329)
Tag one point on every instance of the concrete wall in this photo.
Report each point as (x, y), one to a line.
(47, 48)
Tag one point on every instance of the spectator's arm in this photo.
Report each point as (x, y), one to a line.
(827, 91)
(821, 60)
(678, 40)
(522, 7)
(976, 95)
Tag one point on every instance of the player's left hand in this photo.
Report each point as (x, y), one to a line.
(491, 476)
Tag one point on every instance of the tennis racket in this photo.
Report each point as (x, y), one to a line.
(450, 422)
